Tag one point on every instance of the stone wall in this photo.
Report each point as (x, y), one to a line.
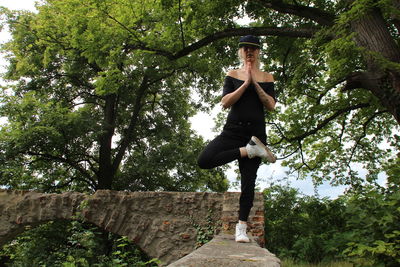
(162, 224)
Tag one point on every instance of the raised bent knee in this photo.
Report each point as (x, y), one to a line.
(204, 163)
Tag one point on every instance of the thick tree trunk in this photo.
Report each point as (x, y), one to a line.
(106, 173)
(395, 16)
(381, 55)
(128, 135)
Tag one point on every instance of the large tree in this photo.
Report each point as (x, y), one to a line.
(340, 88)
(98, 102)
(102, 92)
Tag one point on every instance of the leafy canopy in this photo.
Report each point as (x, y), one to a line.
(102, 89)
(101, 98)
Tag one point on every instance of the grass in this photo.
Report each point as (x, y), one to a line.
(291, 263)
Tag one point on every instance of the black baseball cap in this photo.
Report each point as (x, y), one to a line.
(249, 40)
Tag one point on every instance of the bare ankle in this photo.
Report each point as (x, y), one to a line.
(243, 152)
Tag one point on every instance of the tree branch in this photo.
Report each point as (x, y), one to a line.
(320, 126)
(264, 31)
(327, 120)
(364, 134)
(272, 31)
(181, 25)
(75, 165)
(285, 57)
(322, 17)
(279, 128)
(376, 83)
(303, 160)
(115, 20)
(126, 139)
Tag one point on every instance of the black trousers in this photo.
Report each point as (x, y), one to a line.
(225, 148)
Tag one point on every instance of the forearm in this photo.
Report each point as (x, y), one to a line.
(228, 100)
(267, 100)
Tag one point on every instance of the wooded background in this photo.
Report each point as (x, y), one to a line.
(98, 92)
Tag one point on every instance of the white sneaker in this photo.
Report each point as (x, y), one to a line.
(241, 235)
(255, 148)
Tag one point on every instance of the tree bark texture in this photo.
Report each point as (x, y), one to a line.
(320, 16)
(105, 174)
(382, 77)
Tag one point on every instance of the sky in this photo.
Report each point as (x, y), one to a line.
(203, 124)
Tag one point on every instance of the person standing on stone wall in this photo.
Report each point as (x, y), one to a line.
(246, 91)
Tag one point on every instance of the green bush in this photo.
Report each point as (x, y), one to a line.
(70, 244)
(373, 226)
(362, 227)
(301, 227)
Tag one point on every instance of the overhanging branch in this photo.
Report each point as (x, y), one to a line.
(327, 120)
(261, 31)
(320, 126)
(315, 14)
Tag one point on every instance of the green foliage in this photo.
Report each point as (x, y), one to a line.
(360, 227)
(374, 234)
(97, 98)
(71, 244)
(205, 231)
(98, 94)
(119, 76)
(300, 227)
(318, 128)
(291, 263)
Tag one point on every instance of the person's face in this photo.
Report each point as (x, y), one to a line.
(250, 53)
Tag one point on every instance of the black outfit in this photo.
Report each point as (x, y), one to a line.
(245, 119)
